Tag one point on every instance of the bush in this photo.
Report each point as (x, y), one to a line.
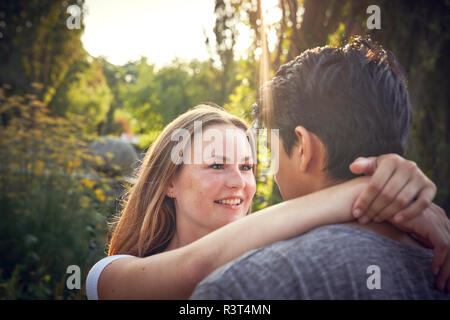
(53, 206)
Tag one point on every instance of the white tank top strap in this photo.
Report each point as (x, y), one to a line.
(96, 271)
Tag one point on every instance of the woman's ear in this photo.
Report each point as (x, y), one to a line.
(170, 191)
(306, 149)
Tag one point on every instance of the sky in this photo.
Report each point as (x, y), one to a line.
(124, 30)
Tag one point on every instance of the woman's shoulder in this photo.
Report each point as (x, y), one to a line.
(95, 272)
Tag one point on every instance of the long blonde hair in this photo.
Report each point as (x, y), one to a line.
(147, 222)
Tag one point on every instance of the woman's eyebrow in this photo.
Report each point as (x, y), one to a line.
(228, 160)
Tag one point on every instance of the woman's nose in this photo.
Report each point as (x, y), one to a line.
(235, 179)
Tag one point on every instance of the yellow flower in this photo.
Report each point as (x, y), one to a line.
(99, 194)
(109, 155)
(39, 166)
(99, 160)
(73, 164)
(87, 182)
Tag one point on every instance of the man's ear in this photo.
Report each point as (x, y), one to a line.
(306, 149)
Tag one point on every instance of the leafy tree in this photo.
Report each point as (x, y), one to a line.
(225, 32)
(36, 46)
(140, 96)
(155, 97)
(84, 91)
(115, 78)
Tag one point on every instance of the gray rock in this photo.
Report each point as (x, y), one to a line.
(119, 156)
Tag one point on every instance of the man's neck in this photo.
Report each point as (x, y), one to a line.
(385, 229)
(389, 231)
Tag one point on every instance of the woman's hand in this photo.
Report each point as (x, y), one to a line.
(432, 228)
(397, 187)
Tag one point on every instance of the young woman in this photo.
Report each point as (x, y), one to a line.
(188, 212)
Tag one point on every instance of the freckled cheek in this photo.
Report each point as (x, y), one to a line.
(211, 186)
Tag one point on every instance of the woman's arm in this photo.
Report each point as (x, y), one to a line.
(174, 274)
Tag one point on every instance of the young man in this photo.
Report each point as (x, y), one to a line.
(333, 105)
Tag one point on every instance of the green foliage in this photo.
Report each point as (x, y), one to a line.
(53, 206)
(36, 45)
(267, 193)
(84, 91)
(336, 38)
(140, 97)
(146, 139)
(245, 92)
(152, 98)
(225, 32)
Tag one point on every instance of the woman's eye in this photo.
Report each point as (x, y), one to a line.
(216, 166)
(247, 167)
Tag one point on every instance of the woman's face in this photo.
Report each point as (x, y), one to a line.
(218, 185)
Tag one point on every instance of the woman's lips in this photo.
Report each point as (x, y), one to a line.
(231, 203)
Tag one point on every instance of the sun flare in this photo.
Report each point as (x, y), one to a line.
(271, 12)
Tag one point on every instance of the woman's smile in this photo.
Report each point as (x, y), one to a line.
(234, 203)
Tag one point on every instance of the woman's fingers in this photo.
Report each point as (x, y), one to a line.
(403, 200)
(440, 256)
(383, 173)
(441, 211)
(437, 238)
(392, 198)
(415, 208)
(443, 279)
(432, 228)
(444, 273)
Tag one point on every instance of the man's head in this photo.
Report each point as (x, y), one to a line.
(332, 105)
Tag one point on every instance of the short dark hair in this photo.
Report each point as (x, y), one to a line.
(354, 98)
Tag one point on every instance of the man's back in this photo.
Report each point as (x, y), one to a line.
(331, 262)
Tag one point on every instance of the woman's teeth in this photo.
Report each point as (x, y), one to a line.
(231, 202)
